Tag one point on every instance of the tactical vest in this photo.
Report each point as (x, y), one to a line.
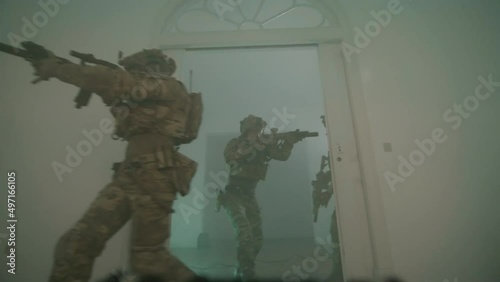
(167, 109)
(253, 166)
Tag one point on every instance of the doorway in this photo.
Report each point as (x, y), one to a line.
(283, 86)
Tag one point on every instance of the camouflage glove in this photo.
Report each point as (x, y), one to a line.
(47, 67)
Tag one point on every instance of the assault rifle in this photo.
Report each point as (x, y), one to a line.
(277, 136)
(322, 188)
(33, 52)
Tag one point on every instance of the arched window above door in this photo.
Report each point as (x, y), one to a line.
(238, 15)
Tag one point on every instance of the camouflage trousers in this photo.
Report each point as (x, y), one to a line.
(141, 193)
(242, 208)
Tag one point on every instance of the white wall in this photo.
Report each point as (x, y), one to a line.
(39, 121)
(443, 220)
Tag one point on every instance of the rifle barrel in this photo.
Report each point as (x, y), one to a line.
(89, 58)
(5, 48)
(300, 133)
(312, 134)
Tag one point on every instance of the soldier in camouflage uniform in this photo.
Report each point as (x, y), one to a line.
(153, 113)
(323, 199)
(248, 157)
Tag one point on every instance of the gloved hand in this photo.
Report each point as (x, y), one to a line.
(47, 67)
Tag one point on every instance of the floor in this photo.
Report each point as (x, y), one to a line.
(275, 259)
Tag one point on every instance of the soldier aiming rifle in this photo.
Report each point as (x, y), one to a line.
(33, 52)
(152, 173)
(322, 187)
(247, 157)
(321, 195)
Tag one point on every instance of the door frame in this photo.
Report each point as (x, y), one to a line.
(352, 215)
(365, 246)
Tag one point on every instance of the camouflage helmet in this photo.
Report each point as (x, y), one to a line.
(140, 61)
(251, 122)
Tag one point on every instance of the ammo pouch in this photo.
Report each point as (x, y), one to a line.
(251, 171)
(185, 168)
(182, 168)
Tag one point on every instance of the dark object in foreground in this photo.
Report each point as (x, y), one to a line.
(201, 279)
(119, 277)
(389, 279)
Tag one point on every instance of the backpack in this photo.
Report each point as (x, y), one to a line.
(193, 121)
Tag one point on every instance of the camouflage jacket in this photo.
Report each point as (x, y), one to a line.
(250, 160)
(140, 102)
